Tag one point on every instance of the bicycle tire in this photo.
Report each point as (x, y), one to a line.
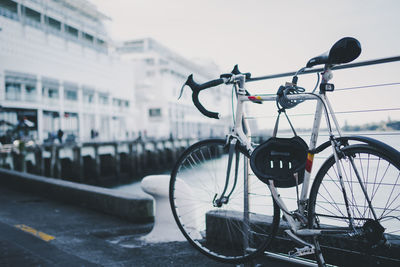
(381, 178)
(196, 180)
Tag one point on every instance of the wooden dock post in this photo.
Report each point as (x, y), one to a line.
(39, 161)
(117, 161)
(131, 159)
(78, 162)
(97, 162)
(58, 162)
(53, 158)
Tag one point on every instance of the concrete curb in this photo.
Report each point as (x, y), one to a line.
(121, 204)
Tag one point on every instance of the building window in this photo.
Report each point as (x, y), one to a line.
(51, 123)
(50, 90)
(9, 5)
(52, 93)
(71, 30)
(30, 89)
(132, 46)
(87, 37)
(117, 102)
(103, 99)
(88, 97)
(155, 112)
(71, 95)
(13, 91)
(30, 92)
(71, 123)
(53, 23)
(163, 62)
(150, 61)
(32, 14)
(101, 42)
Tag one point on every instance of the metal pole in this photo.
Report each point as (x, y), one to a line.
(338, 67)
(246, 218)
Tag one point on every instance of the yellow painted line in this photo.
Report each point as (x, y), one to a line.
(34, 232)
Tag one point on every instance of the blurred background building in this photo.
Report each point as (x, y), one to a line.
(56, 71)
(59, 70)
(159, 75)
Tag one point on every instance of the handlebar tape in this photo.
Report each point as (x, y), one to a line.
(196, 88)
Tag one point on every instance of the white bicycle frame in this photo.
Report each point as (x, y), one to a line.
(238, 133)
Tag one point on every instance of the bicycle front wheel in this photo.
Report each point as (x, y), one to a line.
(372, 185)
(242, 224)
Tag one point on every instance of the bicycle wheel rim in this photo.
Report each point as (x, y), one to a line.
(381, 179)
(220, 232)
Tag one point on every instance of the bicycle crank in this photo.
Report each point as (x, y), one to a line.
(297, 252)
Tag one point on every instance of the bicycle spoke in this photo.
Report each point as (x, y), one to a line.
(378, 191)
(202, 172)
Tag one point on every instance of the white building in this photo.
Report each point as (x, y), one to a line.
(56, 71)
(159, 75)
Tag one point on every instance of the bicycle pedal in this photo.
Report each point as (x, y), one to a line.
(297, 252)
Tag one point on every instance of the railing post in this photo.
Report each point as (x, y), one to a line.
(78, 162)
(58, 162)
(164, 153)
(97, 167)
(39, 160)
(131, 163)
(143, 156)
(20, 157)
(117, 161)
(52, 159)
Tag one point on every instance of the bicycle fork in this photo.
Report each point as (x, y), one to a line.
(340, 174)
(224, 199)
(360, 182)
(370, 224)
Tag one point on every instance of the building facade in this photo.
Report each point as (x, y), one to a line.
(159, 76)
(57, 72)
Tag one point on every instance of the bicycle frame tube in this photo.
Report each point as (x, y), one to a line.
(238, 131)
(310, 157)
(322, 102)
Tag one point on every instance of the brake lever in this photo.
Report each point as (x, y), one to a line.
(188, 82)
(181, 93)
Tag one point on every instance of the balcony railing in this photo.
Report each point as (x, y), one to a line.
(38, 25)
(50, 101)
(17, 96)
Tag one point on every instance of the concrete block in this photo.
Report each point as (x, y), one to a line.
(121, 204)
(340, 250)
(165, 228)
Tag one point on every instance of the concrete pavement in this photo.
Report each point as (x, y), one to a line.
(36, 231)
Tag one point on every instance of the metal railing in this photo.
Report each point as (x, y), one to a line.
(288, 195)
(339, 67)
(340, 112)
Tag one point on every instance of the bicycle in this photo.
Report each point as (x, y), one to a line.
(217, 186)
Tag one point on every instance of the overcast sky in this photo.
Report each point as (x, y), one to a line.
(268, 37)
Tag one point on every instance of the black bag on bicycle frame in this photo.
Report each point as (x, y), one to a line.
(281, 159)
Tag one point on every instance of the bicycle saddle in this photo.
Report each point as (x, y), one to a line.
(343, 51)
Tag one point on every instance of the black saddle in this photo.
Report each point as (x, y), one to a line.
(343, 51)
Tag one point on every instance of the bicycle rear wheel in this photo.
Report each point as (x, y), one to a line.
(372, 224)
(227, 232)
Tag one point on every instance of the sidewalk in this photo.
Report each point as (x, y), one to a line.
(82, 237)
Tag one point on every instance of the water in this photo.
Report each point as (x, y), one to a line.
(390, 138)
